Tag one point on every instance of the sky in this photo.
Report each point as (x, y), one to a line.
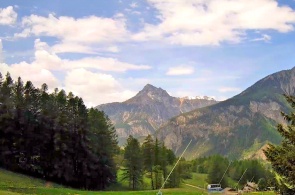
(107, 50)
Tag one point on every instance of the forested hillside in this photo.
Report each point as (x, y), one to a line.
(54, 136)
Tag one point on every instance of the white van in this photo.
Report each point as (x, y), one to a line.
(214, 188)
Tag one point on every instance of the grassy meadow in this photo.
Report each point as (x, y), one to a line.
(16, 184)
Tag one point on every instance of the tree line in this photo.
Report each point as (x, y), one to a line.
(54, 136)
(222, 171)
(153, 161)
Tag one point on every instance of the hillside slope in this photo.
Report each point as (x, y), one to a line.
(241, 124)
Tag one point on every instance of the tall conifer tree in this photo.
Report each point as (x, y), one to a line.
(282, 157)
(133, 171)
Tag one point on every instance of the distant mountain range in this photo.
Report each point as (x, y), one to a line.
(144, 113)
(237, 127)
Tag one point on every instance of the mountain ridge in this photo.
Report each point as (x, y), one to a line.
(232, 126)
(149, 109)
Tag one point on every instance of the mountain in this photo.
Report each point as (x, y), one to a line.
(237, 127)
(148, 110)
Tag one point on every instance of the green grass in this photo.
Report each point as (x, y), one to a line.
(198, 180)
(123, 185)
(10, 180)
(7, 193)
(17, 184)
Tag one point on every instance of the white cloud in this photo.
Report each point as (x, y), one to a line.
(113, 49)
(82, 35)
(95, 88)
(203, 22)
(265, 38)
(46, 58)
(4, 68)
(82, 48)
(38, 72)
(105, 64)
(229, 89)
(7, 16)
(180, 70)
(40, 75)
(134, 5)
(88, 30)
(72, 48)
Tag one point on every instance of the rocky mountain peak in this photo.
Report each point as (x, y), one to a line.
(144, 113)
(149, 93)
(150, 89)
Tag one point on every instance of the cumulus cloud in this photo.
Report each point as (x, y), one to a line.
(72, 48)
(7, 16)
(202, 22)
(26, 71)
(80, 35)
(39, 71)
(90, 29)
(180, 70)
(46, 58)
(95, 88)
(4, 68)
(34, 73)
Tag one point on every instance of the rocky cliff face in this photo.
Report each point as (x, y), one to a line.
(148, 110)
(237, 126)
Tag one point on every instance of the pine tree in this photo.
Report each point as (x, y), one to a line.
(19, 123)
(157, 169)
(216, 170)
(175, 177)
(103, 141)
(282, 157)
(148, 147)
(164, 160)
(133, 171)
(8, 150)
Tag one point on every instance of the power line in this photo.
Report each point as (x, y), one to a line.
(159, 192)
(224, 172)
(241, 178)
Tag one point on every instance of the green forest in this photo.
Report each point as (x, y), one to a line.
(54, 136)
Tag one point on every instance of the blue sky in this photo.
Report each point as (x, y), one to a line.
(107, 50)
